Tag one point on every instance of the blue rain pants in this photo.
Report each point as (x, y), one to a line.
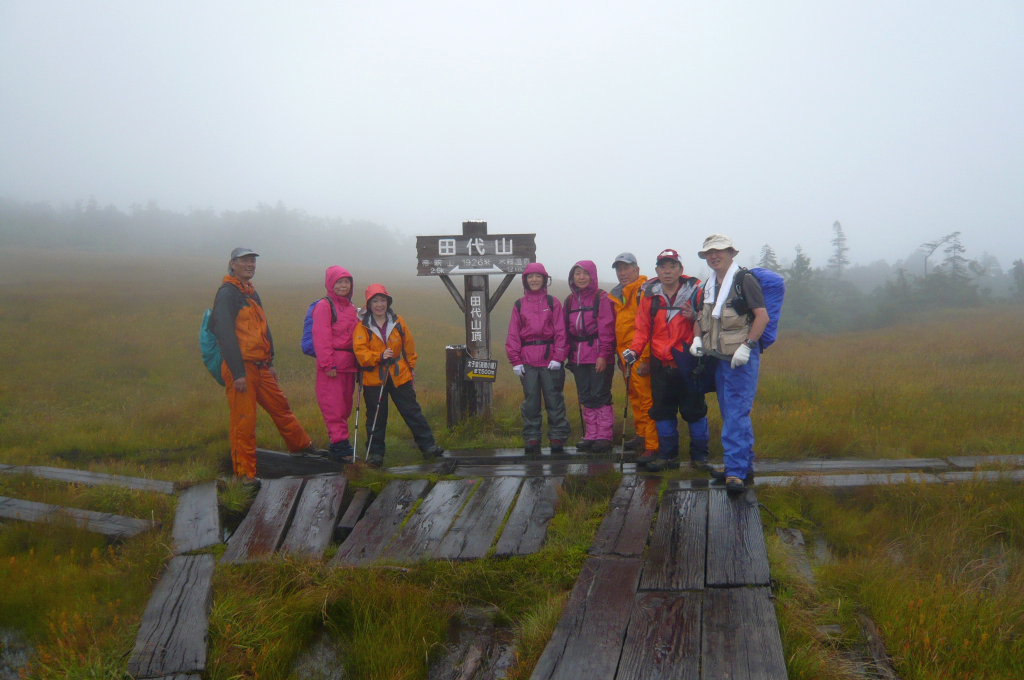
(736, 389)
(670, 395)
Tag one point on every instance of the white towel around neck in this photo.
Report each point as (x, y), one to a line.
(710, 285)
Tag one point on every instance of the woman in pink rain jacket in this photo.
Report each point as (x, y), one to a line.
(590, 324)
(334, 319)
(536, 347)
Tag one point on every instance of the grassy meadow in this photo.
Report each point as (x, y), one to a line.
(101, 371)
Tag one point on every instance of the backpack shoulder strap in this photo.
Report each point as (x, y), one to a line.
(655, 305)
(334, 314)
(551, 303)
(519, 305)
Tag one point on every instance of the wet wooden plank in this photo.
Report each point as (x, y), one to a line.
(315, 516)
(740, 636)
(976, 461)
(849, 481)
(663, 639)
(737, 555)
(172, 636)
(352, 515)
(181, 676)
(276, 464)
(473, 531)
(378, 527)
(676, 558)
(427, 526)
(588, 639)
(112, 526)
(627, 524)
(88, 478)
(262, 530)
(527, 526)
(983, 476)
(196, 519)
(849, 464)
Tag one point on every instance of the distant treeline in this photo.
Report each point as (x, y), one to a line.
(290, 234)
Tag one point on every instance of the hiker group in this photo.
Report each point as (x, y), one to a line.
(672, 338)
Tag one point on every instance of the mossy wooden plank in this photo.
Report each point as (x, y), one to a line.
(196, 519)
(87, 478)
(263, 528)
(421, 535)
(663, 638)
(315, 516)
(588, 639)
(112, 526)
(473, 531)
(676, 558)
(527, 526)
(849, 464)
(740, 636)
(627, 524)
(353, 513)
(737, 555)
(276, 464)
(172, 635)
(378, 527)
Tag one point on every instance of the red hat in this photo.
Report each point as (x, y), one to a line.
(668, 254)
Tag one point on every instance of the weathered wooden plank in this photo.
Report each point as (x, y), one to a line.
(261, 531)
(172, 636)
(197, 519)
(430, 522)
(473, 531)
(740, 636)
(181, 676)
(527, 526)
(977, 461)
(588, 639)
(676, 557)
(849, 464)
(627, 524)
(315, 516)
(360, 499)
(374, 531)
(663, 639)
(113, 526)
(88, 478)
(983, 476)
(737, 555)
(841, 481)
(275, 464)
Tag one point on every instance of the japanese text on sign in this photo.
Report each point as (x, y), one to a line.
(474, 255)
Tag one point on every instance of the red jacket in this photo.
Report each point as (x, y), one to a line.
(669, 328)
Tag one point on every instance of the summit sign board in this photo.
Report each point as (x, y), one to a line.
(478, 255)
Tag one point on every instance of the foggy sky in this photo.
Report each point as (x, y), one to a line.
(598, 126)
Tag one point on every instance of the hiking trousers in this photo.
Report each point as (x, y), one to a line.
(670, 395)
(260, 388)
(640, 401)
(594, 391)
(334, 395)
(404, 398)
(736, 389)
(539, 382)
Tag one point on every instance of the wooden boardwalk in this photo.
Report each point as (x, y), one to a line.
(697, 606)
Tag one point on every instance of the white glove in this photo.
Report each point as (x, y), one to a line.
(554, 365)
(519, 370)
(741, 356)
(629, 356)
(697, 348)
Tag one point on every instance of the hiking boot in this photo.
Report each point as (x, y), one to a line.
(532, 447)
(601, 446)
(718, 477)
(375, 461)
(584, 445)
(557, 446)
(700, 464)
(733, 485)
(252, 484)
(311, 450)
(340, 452)
(663, 464)
(634, 444)
(648, 456)
(432, 451)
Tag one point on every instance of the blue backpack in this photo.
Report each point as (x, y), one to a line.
(773, 286)
(209, 348)
(307, 327)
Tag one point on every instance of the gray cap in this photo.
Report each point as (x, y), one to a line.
(628, 258)
(242, 252)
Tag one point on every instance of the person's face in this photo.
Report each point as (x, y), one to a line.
(343, 286)
(580, 277)
(669, 272)
(244, 267)
(627, 273)
(378, 305)
(535, 281)
(719, 260)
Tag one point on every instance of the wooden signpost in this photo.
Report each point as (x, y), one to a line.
(475, 255)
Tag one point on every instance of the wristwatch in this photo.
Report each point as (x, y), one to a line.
(750, 343)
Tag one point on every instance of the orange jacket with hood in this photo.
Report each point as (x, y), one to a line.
(370, 340)
(240, 326)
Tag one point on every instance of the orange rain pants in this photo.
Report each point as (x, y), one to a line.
(261, 388)
(640, 402)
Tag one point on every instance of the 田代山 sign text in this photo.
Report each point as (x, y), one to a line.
(474, 255)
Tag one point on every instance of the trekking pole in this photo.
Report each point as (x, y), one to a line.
(359, 393)
(625, 413)
(383, 386)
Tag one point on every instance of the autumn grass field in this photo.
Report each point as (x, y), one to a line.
(99, 369)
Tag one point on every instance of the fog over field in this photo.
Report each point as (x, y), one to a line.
(598, 126)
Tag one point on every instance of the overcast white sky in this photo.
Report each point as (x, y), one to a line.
(600, 126)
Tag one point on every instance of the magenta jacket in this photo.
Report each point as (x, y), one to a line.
(590, 337)
(536, 330)
(333, 342)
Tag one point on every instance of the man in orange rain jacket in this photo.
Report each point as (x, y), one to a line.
(625, 299)
(247, 349)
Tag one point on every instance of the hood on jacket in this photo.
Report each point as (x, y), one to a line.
(377, 289)
(331, 277)
(591, 269)
(536, 268)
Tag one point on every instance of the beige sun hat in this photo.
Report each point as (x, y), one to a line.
(716, 242)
